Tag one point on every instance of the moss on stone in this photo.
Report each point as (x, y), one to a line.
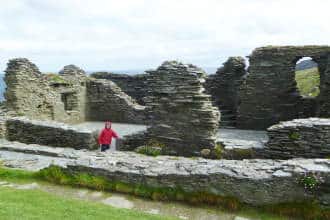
(124, 187)
(152, 148)
(240, 153)
(56, 78)
(294, 136)
(149, 150)
(218, 150)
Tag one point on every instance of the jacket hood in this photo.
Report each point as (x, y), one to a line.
(107, 123)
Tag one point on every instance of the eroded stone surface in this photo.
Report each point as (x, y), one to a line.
(252, 181)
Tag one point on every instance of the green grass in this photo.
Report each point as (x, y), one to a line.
(34, 204)
(308, 82)
(302, 210)
(15, 175)
(55, 78)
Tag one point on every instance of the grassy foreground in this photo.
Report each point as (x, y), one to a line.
(308, 82)
(303, 210)
(34, 204)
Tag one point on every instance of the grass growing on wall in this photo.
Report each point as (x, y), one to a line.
(308, 82)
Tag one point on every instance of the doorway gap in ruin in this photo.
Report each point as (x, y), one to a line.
(307, 77)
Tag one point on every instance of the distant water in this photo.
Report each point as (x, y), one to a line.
(2, 87)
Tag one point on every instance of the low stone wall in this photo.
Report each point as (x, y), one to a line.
(106, 101)
(49, 133)
(131, 142)
(133, 85)
(308, 138)
(254, 182)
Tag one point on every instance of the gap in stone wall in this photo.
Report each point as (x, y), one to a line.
(70, 101)
(307, 77)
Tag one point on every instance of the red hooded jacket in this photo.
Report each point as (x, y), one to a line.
(107, 134)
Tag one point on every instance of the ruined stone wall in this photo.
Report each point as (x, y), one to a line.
(270, 94)
(133, 85)
(183, 118)
(324, 97)
(308, 138)
(70, 84)
(40, 96)
(49, 133)
(27, 93)
(106, 101)
(224, 86)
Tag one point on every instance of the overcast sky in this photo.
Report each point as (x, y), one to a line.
(141, 34)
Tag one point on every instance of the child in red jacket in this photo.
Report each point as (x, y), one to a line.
(106, 136)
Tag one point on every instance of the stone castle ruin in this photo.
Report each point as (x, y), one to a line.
(267, 137)
(70, 96)
(270, 94)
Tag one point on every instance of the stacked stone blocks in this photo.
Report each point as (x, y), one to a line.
(183, 118)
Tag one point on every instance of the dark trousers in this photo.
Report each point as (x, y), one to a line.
(105, 147)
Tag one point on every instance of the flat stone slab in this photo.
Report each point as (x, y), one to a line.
(255, 181)
(302, 122)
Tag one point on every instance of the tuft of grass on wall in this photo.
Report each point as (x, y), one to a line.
(152, 148)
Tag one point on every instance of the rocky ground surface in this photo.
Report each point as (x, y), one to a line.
(242, 139)
(231, 138)
(254, 182)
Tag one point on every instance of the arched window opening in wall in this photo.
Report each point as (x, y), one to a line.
(307, 77)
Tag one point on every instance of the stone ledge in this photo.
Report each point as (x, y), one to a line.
(255, 182)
